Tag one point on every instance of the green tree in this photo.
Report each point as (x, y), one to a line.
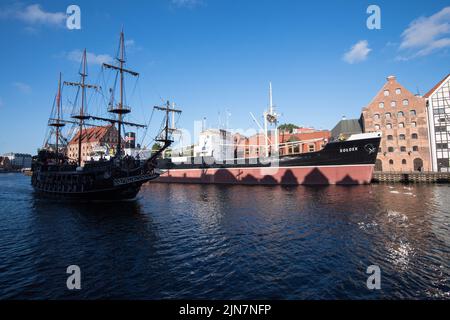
(156, 146)
(288, 127)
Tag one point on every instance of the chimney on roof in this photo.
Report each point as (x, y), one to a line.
(391, 78)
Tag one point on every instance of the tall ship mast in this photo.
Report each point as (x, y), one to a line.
(119, 177)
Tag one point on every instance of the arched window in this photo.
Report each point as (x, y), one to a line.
(393, 103)
(415, 148)
(412, 113)
(413, 124)
(402, 137)
(388, 125)
(387, 115)
(377, 127)
(398, 91)
(403, 149)
(376, 116)
(403, 161)
(414, 136)
(400, 114)
(405, 102)
(390, 137)
(386, 93)
(401, 125)
(391, 149)
(418, 164)
(391, 162)
(381, 105)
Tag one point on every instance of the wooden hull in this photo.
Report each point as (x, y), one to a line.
(122, 188)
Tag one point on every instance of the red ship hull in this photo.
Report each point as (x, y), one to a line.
(301, 175)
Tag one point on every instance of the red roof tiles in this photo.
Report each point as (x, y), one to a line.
(91, 134)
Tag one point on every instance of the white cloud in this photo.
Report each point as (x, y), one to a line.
(426, 35)
(358, 52)
(92, 58)
(33, 15)
(22, 87)
(186, 3)
(130, 43)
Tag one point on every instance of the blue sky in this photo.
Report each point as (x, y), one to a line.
(210, 56)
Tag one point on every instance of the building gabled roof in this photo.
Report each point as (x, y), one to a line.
(91, 134)
(348, 126)
(429, 93)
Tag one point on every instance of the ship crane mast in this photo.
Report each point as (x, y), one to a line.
(270, 118)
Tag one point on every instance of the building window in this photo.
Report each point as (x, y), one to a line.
(440, 128)
(441, 145)
(386, 93)
(376, 116)
(414, 136)
(400, 114)
(381, 105)
(387, 115)
(405, 102)
(391, 161)
(393, 103)
(412, 113)
(402, 137)
(390, 137)
(403, 149)
(311, 148)
(401, 125)
(391, 149)
(415, 148)
(404, 161)
(388, 125)
(377, 127)
(413, 124)
(398, 91)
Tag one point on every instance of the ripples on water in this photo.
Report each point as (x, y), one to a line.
(228, 242)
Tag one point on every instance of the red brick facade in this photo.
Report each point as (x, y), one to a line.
(401, 117)
(289, 143)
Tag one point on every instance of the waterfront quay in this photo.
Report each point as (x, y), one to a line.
(411, 177)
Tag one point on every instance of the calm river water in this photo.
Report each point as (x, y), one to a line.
(228, 242)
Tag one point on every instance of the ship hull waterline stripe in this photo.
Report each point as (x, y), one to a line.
(275, 167)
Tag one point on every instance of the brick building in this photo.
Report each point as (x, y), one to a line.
(402, 118)
(301, 140)
(104, 136)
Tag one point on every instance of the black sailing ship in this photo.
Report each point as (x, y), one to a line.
(119, 177)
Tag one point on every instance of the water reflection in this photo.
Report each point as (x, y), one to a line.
(228, 242)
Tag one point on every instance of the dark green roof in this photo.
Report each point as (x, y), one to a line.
(347, 126)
